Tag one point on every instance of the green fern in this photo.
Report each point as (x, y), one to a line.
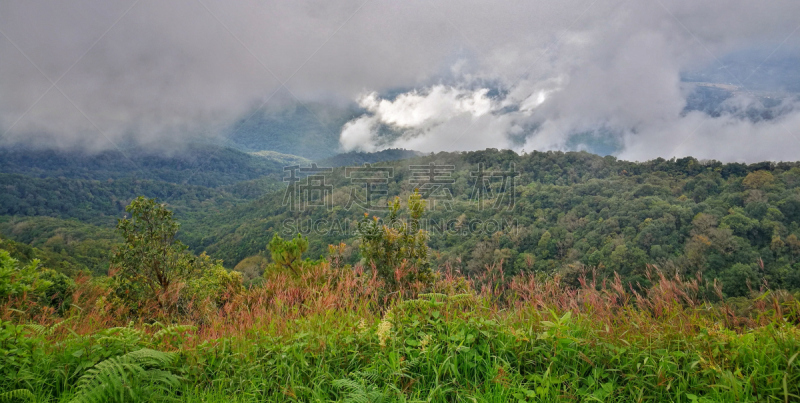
(36, 329)
(173, 330)
(140, 375)
(18, 394)
(121, 336)
(461, 297)
(40, 330)
(125, 331)
(370, 375)
(433, 296)
(356, 392)
(54, 327)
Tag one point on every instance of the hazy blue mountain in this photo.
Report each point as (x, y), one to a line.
(753, 70)
(307, 130)
(204, 165)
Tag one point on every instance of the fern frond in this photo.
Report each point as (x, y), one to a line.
(18, 394)
(348, 385)
(369, 375)
(54, 327)
(75, 339)
(36, 329)
(434, 296)
(120, 335)
(361, 392)
(152, 358)
(173, 330)
(131, 376)
(112, 340)
(124, 331)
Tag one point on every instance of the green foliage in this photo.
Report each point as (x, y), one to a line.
(593, 207)
(214, 284)
(361, 391)
(252, 268)
(14, 280)
(48, 286)
(397, 250)
(191, 164)
(758, 179)
(152, 261)
(66, 246)
(17, 395)
(288, 254)
(437, 348)
(18, 355)
(141, 375)
(600, 212)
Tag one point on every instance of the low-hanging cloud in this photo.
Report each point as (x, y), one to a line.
(623, 80)
(420, 116)
(522, 75)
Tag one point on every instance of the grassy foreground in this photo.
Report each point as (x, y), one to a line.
(334, 335)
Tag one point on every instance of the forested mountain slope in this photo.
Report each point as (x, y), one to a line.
(197, 164)
(570, 212)
(564, 212)
(68, 246)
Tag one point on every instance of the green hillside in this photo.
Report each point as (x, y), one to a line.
(101, 202)
(572, 212)
(197, 164)
(68, 246)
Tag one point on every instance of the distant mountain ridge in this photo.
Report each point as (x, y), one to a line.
(307, 130)
(357, 158)
(196, 164)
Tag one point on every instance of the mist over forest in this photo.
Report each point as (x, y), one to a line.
(377, 201)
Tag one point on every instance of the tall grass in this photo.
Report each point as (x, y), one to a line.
(336, 335)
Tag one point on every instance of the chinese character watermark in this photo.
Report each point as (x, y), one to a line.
(315, 192)
(375, 181)
(433, 181)
(487, 186)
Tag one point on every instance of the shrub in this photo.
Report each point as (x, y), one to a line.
(287, 254)
(216, 284)
(47, 286)
(397, 250)
(151, 262)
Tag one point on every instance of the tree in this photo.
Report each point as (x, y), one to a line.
(758, 179)
(398, 251)
(544, 244)
(739, 279)
(287, 254)
(151, 261)
(252, 268)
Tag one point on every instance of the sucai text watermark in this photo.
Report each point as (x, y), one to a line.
(312, 187)
(445, 226)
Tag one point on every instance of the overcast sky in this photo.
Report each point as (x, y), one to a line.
(440, 75)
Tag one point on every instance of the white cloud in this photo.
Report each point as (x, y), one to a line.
(418, 115)
(358, 134)
(170, 70)
(418, 109)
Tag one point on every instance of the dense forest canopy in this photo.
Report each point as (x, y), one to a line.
(569, 213)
